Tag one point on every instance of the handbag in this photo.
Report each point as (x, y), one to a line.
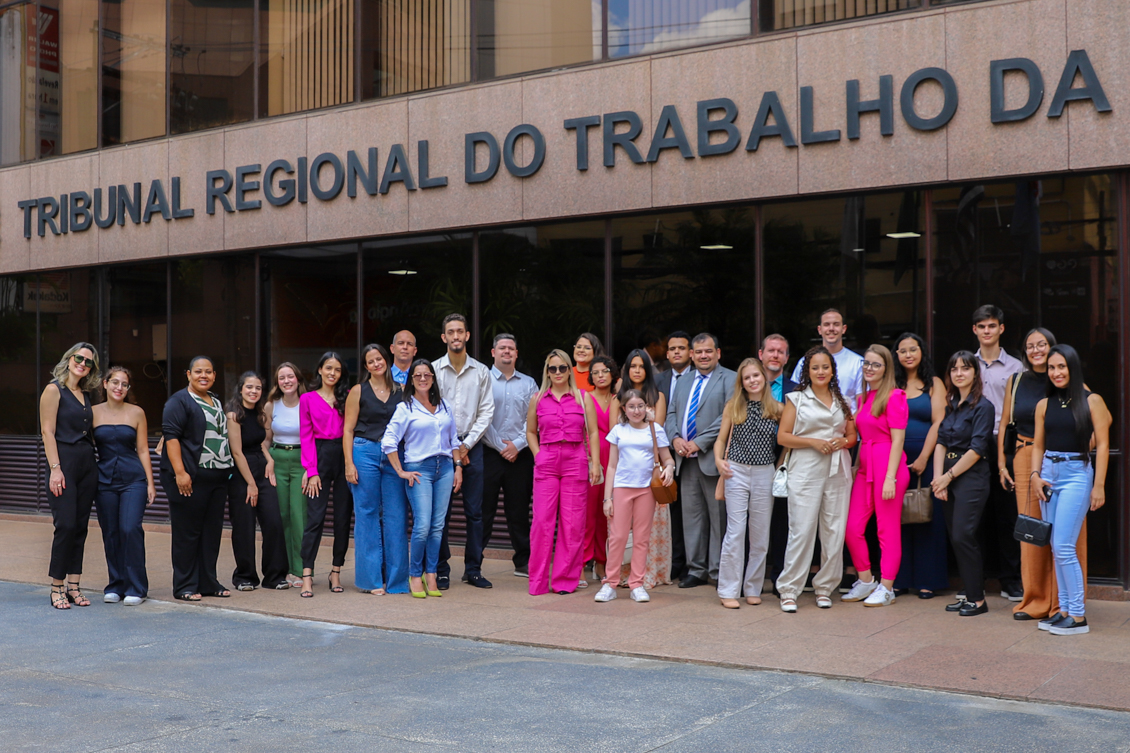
(1031, 530)
(917, 505)
(1011, 433)
(781, 476)
(664, 495)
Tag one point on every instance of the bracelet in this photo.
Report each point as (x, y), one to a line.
(55, 465)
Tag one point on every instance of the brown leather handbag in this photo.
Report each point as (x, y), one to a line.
(664, 495)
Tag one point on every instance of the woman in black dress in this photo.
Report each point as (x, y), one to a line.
(66, 415)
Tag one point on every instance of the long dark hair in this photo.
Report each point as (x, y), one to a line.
(341, 389)
(433, 392)
(925, 367)
(833, 385)
(235, 402)
(1076, 395)
(1024, 345)
(953, 394)
(648, 389)
(365, 376)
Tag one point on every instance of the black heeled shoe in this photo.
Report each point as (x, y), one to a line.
(59, 598)
(79, 599)
(336, 589)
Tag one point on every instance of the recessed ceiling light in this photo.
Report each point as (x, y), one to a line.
(402, 271)
(717, 247)
(901, 236)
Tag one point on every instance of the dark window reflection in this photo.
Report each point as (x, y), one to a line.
(513, 36)
(410, 45)
(18, 392)
(212, 63)
(789, 14)
(133, 71)
(136, 334)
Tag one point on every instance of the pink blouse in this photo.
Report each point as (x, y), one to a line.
(560, 420)
(875, 433)
(316, 420)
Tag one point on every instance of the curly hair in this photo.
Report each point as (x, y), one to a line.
(833, 384)
(92, 382)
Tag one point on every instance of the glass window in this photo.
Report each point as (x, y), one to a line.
(133, 70)
(212, 63)
(691, 271)
(544, 285)
(68, 76)
(310, 303)
(513, 36)
(413, 284)
(19, 391)
(306, 59)
(641, 26)
(861, 254)
(213, 302)
(789, 14)
(136, 331)
(411, 45)
(18, 89)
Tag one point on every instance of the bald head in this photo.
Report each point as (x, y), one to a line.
(403, 349)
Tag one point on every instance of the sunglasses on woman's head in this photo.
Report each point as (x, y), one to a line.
(557, 369)
(83, 360)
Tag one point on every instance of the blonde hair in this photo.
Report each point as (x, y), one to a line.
(883, 393)
(92, 382)
(736, 408)
(547, 385)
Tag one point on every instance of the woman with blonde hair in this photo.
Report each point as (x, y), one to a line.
(66, 415)
(745, 453)
(881, 421)
(562, 435)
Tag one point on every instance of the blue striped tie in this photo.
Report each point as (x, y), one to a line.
(693, 409)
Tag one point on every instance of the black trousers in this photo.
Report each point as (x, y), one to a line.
(471, 495)
(243, 517)
(71, 510)
(197, 523)
(331, 472)
(998, 529)
(779, 537)
(516, 481)
(968, 494)
(678, 542)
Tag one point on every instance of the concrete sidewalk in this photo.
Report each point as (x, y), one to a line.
(912, 643)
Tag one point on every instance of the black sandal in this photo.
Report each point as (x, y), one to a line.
(188, 597)
(307, 593)
(223, 594)
(336, 589)
(59, 598)
(79, 599)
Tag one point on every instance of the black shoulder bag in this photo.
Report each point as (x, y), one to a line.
(1031, 530)
(1011, 434)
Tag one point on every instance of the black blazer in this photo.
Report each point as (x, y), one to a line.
(184, 421)
(787, 386)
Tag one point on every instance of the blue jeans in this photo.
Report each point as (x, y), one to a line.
(380, 532)
(120, 510)
(429, 498)
(1068, 502)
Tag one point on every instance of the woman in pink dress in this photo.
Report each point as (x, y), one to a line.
(602, 374)
(881, 481)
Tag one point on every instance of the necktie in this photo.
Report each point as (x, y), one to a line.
(696, 393)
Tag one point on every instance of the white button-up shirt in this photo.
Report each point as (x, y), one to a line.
(849, 374)
(511, 401)
(469, 395)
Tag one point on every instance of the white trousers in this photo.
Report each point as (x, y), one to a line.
(749, 510)
(819, 506)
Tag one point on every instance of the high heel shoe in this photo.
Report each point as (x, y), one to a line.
(336, 589)
(431, 591)
(307, 593)
(419, 594)
(79, 599)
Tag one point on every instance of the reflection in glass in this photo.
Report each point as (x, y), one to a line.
(411, 45)
(212, 63)
(18, 48)
(135, 333)
(68, 76)
(307, 57)
(528, 35)
(413, 284)
(642, 26)
(544, 285)
(789, 14)
(688, 271)
(310, 304)
(133, 71)
(17, 355)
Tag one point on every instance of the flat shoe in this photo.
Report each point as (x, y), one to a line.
(188, 597)
(753, 601)
(788, 605)
(926, 593)
(824, 602)
(731, 603)
(246, 587)
(219, 594)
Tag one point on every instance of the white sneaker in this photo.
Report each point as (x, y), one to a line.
(111, 598)
(880, 597)
(606, 593)
(860, 591)
(639, 594)
(132, 601)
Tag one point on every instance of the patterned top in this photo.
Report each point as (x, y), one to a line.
(754, 441)
(215, 452)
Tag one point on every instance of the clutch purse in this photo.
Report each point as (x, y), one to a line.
(917, 505)
(1031, 530)
(781, 477)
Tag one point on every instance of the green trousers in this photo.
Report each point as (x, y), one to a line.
(292, 503)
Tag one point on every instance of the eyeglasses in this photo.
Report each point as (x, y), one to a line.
(602, 372)
(83, 360)
(1035, 347)
(872, 365)
(557, 369)
(579, 346)
(118, 385)
(422, 377)
(907, 352)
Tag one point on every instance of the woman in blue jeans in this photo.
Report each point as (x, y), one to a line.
(380, 548)
(1067, 421)
(427, 427)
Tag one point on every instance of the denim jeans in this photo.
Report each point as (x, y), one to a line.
(1071, 477)
(429, 497)
(380, 533)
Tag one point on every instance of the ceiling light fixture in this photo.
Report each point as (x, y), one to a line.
(901, 236)
(402, 272)
(717, 247)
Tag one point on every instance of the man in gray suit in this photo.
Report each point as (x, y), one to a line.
(694, 419)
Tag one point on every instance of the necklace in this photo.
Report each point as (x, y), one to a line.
(1064, 403)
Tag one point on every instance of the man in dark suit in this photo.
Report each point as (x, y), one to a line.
(679, 359)
(694, 420)
(774, 356)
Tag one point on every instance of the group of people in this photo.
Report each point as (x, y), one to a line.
(768, 469)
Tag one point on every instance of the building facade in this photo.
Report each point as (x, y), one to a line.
(265, 180)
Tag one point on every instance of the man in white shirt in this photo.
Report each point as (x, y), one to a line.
(849, 364)
(465, 385)
(997, 367)
(508, 464)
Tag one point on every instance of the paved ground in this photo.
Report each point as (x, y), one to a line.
(173, 677)
(912, 643)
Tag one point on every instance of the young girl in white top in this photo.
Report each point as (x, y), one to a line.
(628, 501)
